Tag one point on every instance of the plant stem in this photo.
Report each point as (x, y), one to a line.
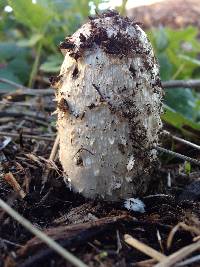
(178, 71)
(123, 7)
(35, 64)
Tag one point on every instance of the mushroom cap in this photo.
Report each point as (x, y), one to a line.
(109, 104)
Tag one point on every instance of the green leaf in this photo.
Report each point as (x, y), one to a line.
(190, 59)
(34, 16)
(9, 50)
(181, 100)
(58, 7)
(7, 73)
(180, 122)
(161, 39)
(182, 42)
(166, 68)
(2, 4)
(21, 68)
(52, 64)
(32, 41)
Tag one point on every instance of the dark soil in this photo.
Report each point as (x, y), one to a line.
(121, 45)
(92, 230)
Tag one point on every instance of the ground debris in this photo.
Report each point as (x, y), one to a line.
(92, 230)
(88, 227)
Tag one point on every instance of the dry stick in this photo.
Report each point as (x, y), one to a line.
(16, 85)
(178, 155)
(10, 243)
(196, 238)
(6, 102)
(50, 242)
(145, 263)
(43, 123)
(17, 104)
(179, 255)
(26, 90)
(185, 227)
(54, 148)
(188, 261)
(144, 248)
(181, 83)
(10, 179)
(29, 91)
(44, 138)
(51, 158)
(181, 140)
(18, 114)
(32, 92)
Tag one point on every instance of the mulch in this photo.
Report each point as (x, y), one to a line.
(92, 230)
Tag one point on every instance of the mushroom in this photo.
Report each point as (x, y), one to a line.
(109, 98)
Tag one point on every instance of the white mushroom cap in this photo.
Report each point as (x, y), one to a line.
(109, 104)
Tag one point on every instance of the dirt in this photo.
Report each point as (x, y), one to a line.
(121, 44)
(91, 230)
(63, 105)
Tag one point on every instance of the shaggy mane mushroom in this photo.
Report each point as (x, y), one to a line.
(109, 104)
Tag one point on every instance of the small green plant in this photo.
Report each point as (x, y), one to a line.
(30, 35)
(177, 53)
(187, 167)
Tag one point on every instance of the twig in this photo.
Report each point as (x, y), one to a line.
(29, 91)
(179, 255)
(144, 248)
(169, 180)
(10, 243)
(37, 121)
(185, 227)
(50, 242)
(54, 148)
(181, 83)
(119, 244)
(75, 231)
(188, 261)
(36, 137)
(32, 92)
(158, 196)
(159, 240)
(178, 155)
(196, 238)
(10, 179)
(25, 90)
(6, 102)
(181, 140)
(18, 114)
(16, 85)
(77, 240)
(51, 158)
(145, 263)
